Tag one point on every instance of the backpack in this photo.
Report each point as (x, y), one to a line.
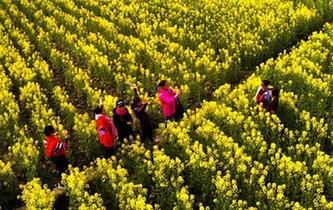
(179, 109)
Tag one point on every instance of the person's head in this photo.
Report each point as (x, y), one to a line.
(49, 130)
(163, 84)
(120, 104)
(137, 102)
(99, 110)
(265, 84)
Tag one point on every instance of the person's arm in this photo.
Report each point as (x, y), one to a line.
(105, 132)
(65, 133)
(172, 92)
(261, 99)
(144, 106)
(104, 129)
(129, 118)
(101, 128)
(258, 95)
(142, 109)
(258, 90)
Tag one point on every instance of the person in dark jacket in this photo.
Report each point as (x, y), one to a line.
(55, 149)
(274, 102)
(139, 109)
(123, 120)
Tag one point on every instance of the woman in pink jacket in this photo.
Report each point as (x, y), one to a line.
(168, 100)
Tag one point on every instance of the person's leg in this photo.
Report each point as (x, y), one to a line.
(113, 151)
(61, 163)
(143, 137)
(147, 134)
(109, 151)
(178, 116)
(166, 119)
(129, 134)
(56, 162)
(121, 138)
(64, 163)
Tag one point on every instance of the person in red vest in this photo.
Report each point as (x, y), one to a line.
(55, 149)
(168, 99)
(263, 94)
(106, 131)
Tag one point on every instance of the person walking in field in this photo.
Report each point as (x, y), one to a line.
(55, 149)
(139, 109)
(263, 94)
(106, 131)
(123, 120)
(169, 101)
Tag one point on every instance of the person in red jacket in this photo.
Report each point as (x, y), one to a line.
(263, 93)
(55, 149)
(106, 131)
(168, 99)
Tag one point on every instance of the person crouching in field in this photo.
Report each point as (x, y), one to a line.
(55, 149)
(123, 120)
(106, 131)
(169, 102)
(139, 109)
(268, 97)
